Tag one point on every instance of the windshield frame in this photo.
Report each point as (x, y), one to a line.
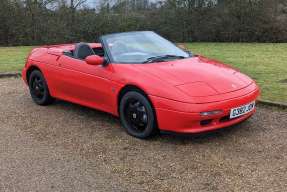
(109, 57)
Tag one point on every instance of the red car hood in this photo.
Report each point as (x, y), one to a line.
(198, 73)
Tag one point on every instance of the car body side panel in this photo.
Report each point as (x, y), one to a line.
(74, 80)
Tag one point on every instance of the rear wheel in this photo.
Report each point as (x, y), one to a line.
(137, 115)
(38, 88)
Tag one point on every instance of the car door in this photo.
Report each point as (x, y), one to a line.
(85, 84)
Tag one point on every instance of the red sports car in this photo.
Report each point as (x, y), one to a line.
(147, 81)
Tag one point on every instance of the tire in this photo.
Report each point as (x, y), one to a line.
(39, 90)
(137, 115)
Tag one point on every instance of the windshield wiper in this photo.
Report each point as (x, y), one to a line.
(163, 58)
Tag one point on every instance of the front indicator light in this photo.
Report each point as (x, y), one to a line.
(210, 113)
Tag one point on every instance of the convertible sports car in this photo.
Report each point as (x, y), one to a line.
(147, 81)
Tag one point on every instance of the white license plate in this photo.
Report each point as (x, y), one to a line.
(239, 111)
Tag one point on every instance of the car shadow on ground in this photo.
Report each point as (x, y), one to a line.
(114, 123)
(205, 137)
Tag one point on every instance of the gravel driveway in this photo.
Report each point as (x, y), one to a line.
(66, 147)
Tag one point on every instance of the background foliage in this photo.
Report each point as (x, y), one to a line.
(32, 22)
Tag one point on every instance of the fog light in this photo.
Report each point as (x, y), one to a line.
(209, 113)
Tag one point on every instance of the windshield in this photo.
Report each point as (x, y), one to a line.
(141, 47)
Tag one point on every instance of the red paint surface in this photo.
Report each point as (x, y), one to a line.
(179, 90)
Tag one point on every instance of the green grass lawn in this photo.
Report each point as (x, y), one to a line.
(13, 58)
(266, 63)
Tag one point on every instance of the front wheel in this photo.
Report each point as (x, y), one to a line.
(137, 115)
(39, 89)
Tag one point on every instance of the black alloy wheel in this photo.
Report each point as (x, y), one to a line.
(137, 115)
(38, 88)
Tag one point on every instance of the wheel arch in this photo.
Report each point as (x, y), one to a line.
(30, 70)
(131, 87)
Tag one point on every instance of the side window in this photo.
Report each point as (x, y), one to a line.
(69, 53)
(99, 51)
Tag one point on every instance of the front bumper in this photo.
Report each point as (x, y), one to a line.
(173, 120)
